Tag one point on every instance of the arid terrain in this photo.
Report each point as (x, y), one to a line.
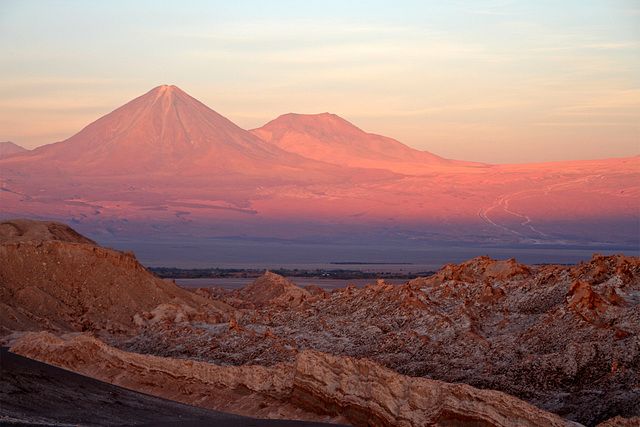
(166, 165)
(34, 393)
(7, 148)
(320, 213)
(485, 343)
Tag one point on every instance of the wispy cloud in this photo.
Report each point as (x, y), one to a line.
(488, 12)
(597, 46)
(576, 124)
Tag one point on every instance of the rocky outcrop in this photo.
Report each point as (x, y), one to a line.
(273, 289)
(621, 422)
(53, 278)
(35, 232)
(566, 339)
(480, 270)
(316, 386)
(371, 395)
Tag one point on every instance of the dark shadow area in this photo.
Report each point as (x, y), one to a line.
(34, 393)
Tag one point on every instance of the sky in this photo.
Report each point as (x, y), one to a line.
(489, 81)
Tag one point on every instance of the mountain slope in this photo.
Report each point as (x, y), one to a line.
(8, 148)
(332, 139)
(165, 164)
(167, 131)
(54, 278)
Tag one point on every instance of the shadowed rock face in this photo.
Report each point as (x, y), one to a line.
(34, 393)
(314, 386)
(54, 278)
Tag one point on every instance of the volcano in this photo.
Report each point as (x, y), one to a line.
(166, 165)
(166, 130)
(8, 148)
(330, 138)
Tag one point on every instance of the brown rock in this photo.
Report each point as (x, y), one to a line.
(53, 278)
(317, 385)
(621, 422)
(273, 289)
(582, 297)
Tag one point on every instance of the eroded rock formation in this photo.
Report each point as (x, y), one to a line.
(271, 290)
(316, 386)
(55, 279)
(563, 338)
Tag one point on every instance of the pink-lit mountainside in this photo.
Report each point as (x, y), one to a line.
(7, 148)
(166, 164)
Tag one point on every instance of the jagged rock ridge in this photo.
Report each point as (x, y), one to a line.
(314, 386)
(559, 337)
(565, 339)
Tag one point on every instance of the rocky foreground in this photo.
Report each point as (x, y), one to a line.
(562, 338)
(34, 393)
(470, 345)
(359, 392)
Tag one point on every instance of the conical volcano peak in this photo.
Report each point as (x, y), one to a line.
(165, 130)
(165, 89)
(166, 92)
(332, 139)
(317, 123)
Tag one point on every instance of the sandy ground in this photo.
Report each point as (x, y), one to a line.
(34, 393)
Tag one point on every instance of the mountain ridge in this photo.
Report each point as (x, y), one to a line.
(165, 130)
(166, 163)
(52, 276)
(330, 138)
(8, 148)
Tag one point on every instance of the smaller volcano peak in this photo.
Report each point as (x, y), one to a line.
(312, 117)
(324, 115)
(328, 116)
(322, 122)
